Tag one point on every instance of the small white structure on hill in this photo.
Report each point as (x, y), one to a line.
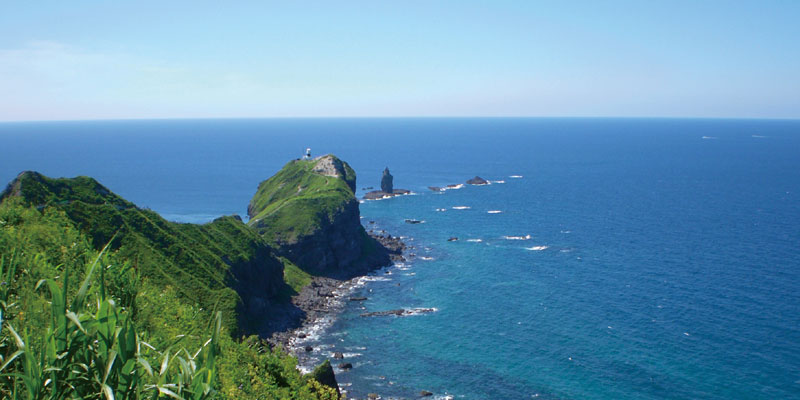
(307, 156)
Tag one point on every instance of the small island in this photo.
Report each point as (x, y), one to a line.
(387, 188)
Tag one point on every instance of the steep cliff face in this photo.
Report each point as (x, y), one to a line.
(308, 210)
(222, 265)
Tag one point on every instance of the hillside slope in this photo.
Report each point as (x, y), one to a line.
(222, 265)
(308, 211)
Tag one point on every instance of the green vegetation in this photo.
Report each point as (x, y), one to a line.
(101, 298)
(295, 278)
(296, 202)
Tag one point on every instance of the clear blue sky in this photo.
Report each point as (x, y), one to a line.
(184, 59)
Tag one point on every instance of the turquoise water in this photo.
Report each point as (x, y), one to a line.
(662, 260)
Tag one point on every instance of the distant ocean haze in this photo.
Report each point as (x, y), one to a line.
(633, 258)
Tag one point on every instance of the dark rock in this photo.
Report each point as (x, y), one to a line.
(413, 221)
(358, 298)
(345, 366)
(477, 180)
(435, 188)
(452, 239)
(387, 185)
(308, 349)
(376, 195)
(301, 335)
(373, 396)
(338, 355)
(425, 393)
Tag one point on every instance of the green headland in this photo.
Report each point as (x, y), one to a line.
(101, 297)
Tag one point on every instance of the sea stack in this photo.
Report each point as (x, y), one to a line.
(386, 181)
(387, 188)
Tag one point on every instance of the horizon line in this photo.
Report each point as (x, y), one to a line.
(320, 117)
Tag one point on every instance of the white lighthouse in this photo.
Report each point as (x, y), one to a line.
(307, 156)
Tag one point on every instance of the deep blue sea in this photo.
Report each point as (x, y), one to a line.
(630, 258)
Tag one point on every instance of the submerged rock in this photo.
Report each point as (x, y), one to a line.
(345, 366)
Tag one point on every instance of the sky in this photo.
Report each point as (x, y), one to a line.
(76, 60)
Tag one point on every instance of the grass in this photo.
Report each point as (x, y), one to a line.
(295, 278)
(151, 313)
(196, 261)
(295, 202)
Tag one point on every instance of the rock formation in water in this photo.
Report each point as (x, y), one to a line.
(477, 180)
(387, 181)
(387, 188)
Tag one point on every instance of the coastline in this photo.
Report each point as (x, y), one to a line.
(316, 306)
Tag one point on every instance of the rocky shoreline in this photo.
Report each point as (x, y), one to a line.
(325, 297)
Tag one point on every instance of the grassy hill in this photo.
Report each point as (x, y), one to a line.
(74, 254)
(308, 211)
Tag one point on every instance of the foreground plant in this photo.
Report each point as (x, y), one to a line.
(91, 350)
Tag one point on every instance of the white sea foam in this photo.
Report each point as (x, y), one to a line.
(345, 355)
(498, 181)
(427, 258)
(475, 240)
(420, 310)
(709, 137)
(461, 208)
(526, 237)
(537, 248)
(453, 187)
(515, 176)
(441, 209)
(566, 231)
(494, 211)
(759, 136)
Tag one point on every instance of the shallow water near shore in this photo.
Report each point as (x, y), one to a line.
(630, 259)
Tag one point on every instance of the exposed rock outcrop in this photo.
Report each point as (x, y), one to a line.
(387, 181)
(477, 180)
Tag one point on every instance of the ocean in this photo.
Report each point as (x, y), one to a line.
(607, 259)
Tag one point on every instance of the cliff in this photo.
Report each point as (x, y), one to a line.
(309, 212)
(221, 265)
